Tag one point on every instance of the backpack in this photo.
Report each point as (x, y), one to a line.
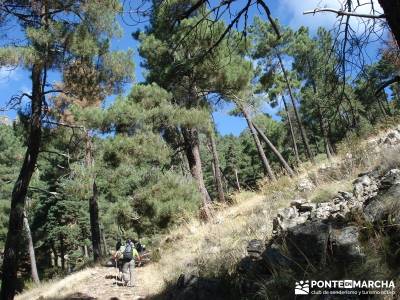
(128, 252)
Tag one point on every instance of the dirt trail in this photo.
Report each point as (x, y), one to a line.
(96, 283)
(181, 251)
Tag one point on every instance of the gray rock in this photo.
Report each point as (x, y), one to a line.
(190, 287)
(255, 248)
(392, 138)
(345, 245)
(307, 207)
(387, 203)
(365, 187)
(390, 178)
(305, 185)
(308, 242)
(298, 202)
(346, 196)
(288, 213)
(275, 259)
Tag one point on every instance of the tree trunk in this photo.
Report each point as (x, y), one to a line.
(264, 160)
(391, 9)
(94, 224)
(301, 127)
(276, 151)
(217, 171)
(16, 219)
(237, 179)
(62, 253)
(31, 250)
(295, 150)
(93, 204)
(192, 147)
(323, 131)
(103, 238)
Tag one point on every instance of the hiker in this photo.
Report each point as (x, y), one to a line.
(129, 255)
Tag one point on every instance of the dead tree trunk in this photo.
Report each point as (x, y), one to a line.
(93, 203)
(264, 160)
(192, 147)
(276, 151)
(217, 171)
(31, 250)
(296, 113)
(295, 150)
(237, 179)
(16, 219)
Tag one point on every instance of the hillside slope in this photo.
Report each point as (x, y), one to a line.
(216, 247)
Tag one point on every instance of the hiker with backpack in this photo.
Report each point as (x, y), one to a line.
(127, 255)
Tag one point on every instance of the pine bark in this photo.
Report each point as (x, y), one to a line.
(217, 169)
(93, 204)
(391, 9)
(276, 151)
(192, 147)
(94, 224)
(296, 113)
(16, 220)
(31, 251)
(261, 153)
(295, 150)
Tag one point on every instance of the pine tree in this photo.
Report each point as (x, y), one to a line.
(54, 38)
(268, 46)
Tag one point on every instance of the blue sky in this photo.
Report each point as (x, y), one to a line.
(289, 12)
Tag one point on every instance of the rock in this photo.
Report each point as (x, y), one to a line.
(307, 243)
(392, 138)
(346, 196)
(387, 203)
(287, 213)
(345, 245)
(255, 248)
(390, 178)
(190, 287)
(305, 185)
(274, 259)
(307, 207)
(298, 202)
(365, 188)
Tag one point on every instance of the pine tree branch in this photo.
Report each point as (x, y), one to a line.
(386, 83)
(343, 13)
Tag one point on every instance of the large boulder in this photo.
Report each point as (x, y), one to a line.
(386, 205)
(345, 245)
(190, 287)
(300, 238)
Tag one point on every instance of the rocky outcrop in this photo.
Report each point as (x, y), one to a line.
(311, 238)
(328, 235)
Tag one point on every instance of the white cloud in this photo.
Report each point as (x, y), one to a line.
(292, 12)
